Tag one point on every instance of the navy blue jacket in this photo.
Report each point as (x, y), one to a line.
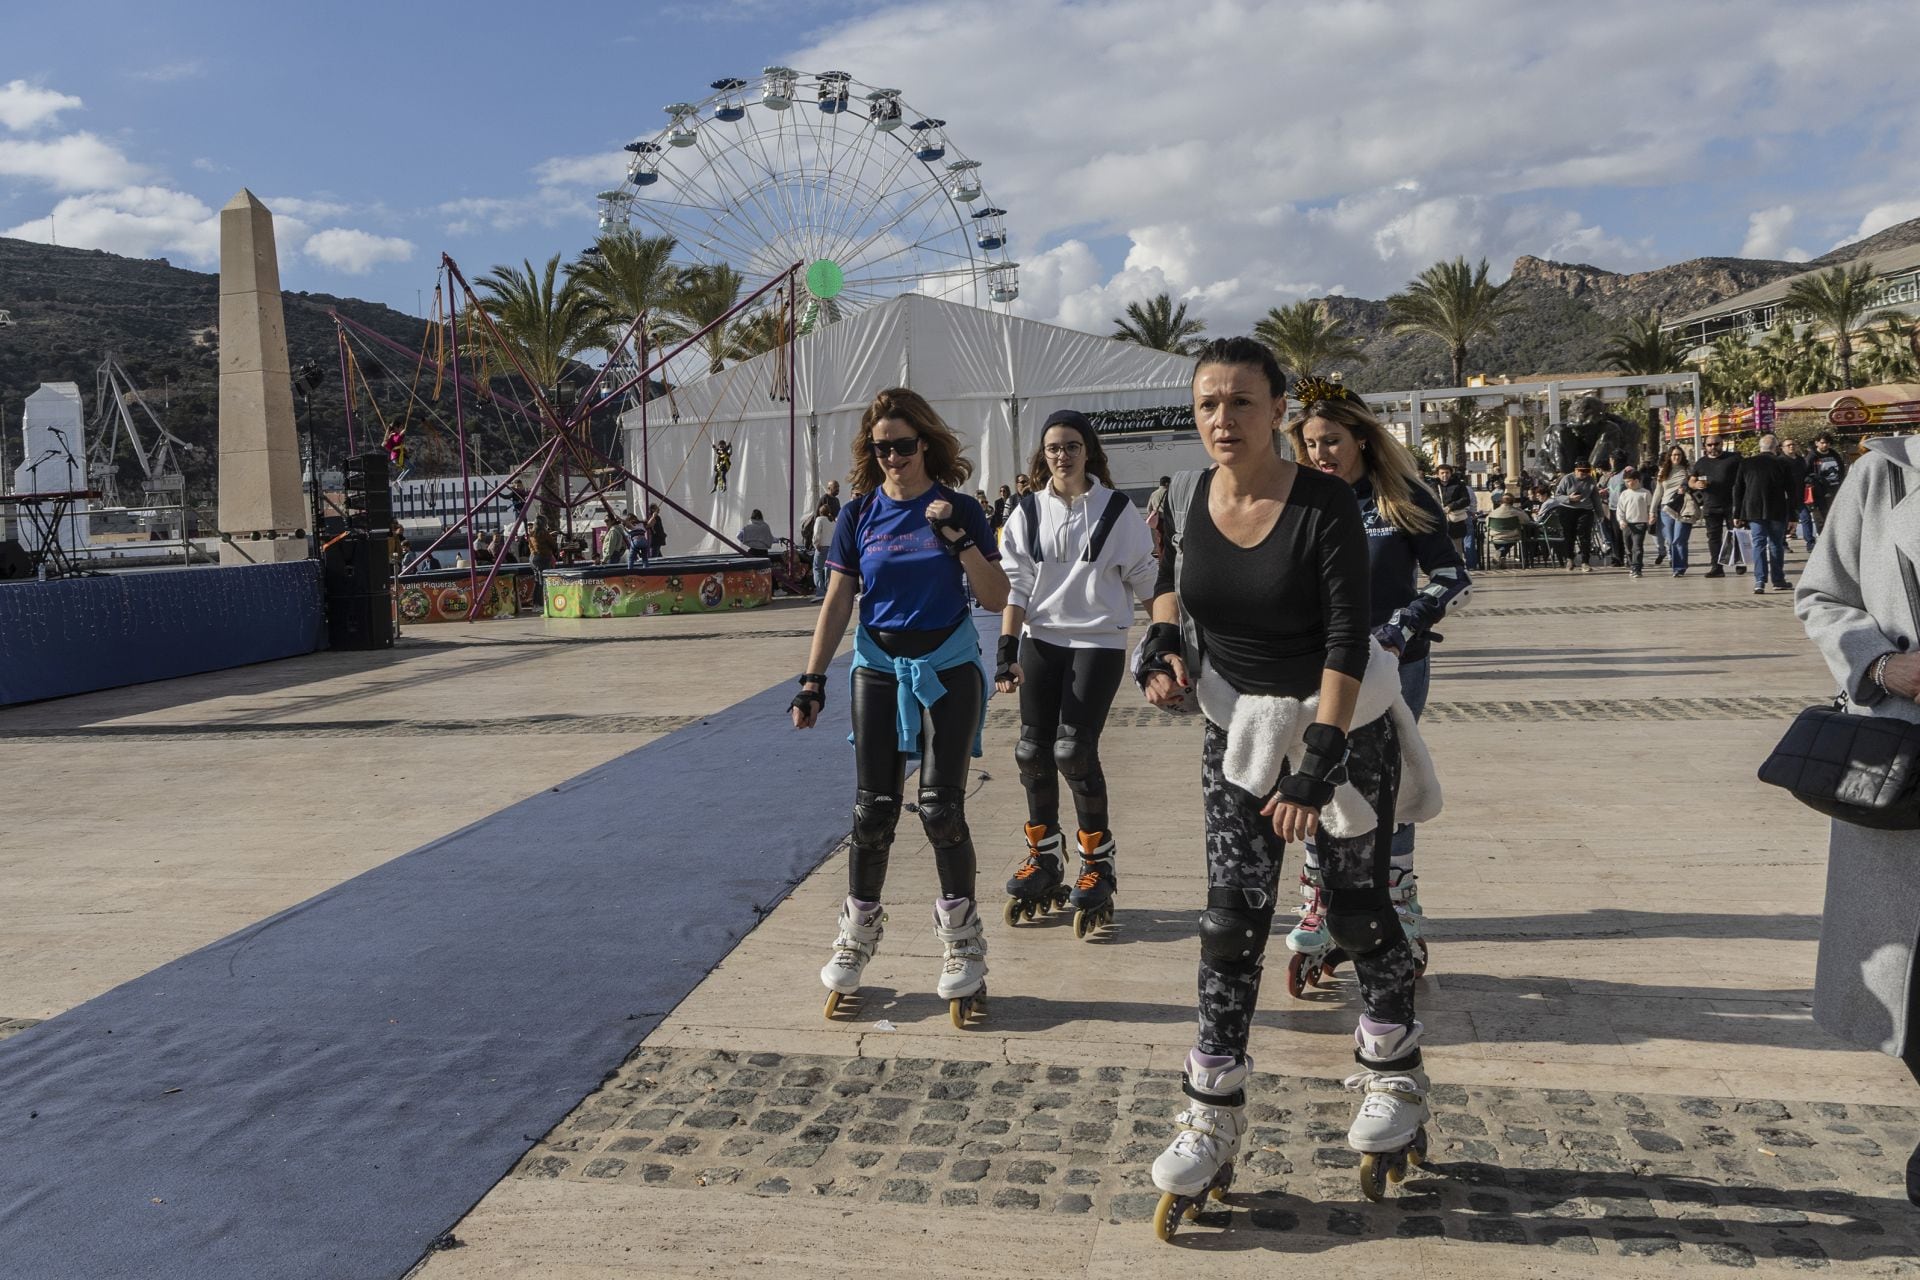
(1398, 558)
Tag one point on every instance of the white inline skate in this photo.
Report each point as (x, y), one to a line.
(860, 930)
(1199, 1162)
(963, 967)
(1389, 1130)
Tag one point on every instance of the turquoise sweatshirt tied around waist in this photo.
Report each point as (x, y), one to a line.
(919, 679)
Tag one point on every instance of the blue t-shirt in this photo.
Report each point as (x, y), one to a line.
(907, 582)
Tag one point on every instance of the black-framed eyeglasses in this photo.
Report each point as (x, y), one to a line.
(1064, 449)
(905, 446)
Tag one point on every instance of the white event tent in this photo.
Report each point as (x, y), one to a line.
(992, 377)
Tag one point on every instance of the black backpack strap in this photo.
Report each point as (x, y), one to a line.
(1117, 505)
(1030, 513)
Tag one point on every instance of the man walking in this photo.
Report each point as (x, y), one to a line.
(1719, 469)
(1763, 499)
(1825, 470)
(1456, 499)
(1579, 512)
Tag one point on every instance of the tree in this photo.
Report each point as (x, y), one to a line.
(1454, 303)
(706, 294)
(628, 276)
(1835, 301)
(1892, 350)
(1305, 339)
(1159, 325)
(760, 332)
(1639, 347)
(543, 320)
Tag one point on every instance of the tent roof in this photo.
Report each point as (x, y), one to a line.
(1886, 393)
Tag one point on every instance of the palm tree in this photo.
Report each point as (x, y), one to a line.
(1893, 350)
(627, 276)
(706, 294)
(1159, 325)
(1640, 347)
(1454, 303)
(1306, 340)
(543, 320)
(1834, 300)
(1731, 372)
(760, 332)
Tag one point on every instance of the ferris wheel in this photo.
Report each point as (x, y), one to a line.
(871, 195)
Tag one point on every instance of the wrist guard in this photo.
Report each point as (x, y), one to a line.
(1322, 769)
(810, 699)
(1009, 654)
(1392, 635)
(945, 525)
(1163, 641)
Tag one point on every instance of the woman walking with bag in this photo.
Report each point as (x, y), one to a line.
(1859, 598)
(1077, 553)
(906, 543)
(1261, 615)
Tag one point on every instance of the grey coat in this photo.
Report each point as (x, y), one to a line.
(1852, 598)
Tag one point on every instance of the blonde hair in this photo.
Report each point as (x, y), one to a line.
(1389, 466)
(938, 445)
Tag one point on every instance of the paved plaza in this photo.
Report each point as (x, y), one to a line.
(1623, 924)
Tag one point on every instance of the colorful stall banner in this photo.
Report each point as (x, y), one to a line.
(640, 594)
(445, 595)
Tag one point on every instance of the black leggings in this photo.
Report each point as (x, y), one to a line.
(880, 772)
(1065, 695)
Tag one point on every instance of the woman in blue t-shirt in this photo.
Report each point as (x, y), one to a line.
(909, 544)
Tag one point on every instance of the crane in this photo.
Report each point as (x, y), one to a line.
(115, 397)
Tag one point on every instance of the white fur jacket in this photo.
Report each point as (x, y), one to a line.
(1264, 731)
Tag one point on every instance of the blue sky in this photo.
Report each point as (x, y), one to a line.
(1237, 154)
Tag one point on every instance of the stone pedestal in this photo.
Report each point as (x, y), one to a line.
(262, 509)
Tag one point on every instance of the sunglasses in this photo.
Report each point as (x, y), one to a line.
(905, 446)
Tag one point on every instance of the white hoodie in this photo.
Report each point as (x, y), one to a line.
(1069, 601)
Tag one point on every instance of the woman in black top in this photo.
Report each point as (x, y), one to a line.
(1268, 563)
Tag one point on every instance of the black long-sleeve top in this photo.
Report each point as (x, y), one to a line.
(1274, 616)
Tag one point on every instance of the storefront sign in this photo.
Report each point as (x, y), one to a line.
(1129, 422)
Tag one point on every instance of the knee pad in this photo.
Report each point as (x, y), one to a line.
(874, 817)
(1362, 921)
(943, 813)
(1077, 753)
(1034, 755)
(1234, 928)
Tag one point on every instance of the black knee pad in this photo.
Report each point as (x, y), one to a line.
(1077, 753)
(1362, 921)
(1034, 754)
(874, 817)
(1234, 928)
(943, 813)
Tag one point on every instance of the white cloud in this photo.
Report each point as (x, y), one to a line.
(1767, 231)
(1880, 217)
(168, 72)
(305, 209)
(72, 162)
(605, 169)
(1234, 149)
(25, 106)
(355, 252)
(138, 222)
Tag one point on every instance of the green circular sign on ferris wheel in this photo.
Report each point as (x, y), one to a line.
(825, 279)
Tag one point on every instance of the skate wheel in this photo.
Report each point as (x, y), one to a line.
(964, 1009)
(1373, 1182)
(1166, 1216)
(1417, 1153)
(1296, 975)
(1012, 913)
(833, 1004)
(1081, 923)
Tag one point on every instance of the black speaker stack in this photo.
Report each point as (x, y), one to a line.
(357, 563)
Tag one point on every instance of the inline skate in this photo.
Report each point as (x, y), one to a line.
(963, 965)
(1199, 1162)
(1038, 886)
(860, 930)
(1092, 896)
(1389, 1130)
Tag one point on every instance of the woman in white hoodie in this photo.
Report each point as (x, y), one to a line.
(1076, 553)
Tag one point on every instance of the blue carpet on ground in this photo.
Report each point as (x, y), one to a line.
(325, 1093)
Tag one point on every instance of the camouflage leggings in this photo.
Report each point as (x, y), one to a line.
(1244, 853)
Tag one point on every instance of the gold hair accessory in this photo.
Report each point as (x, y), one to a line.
(1314, 390)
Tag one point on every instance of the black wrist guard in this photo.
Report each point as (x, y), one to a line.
(944, 525)
(810, 698)
(1009, 654)
(1322, 769)
(1163, 641)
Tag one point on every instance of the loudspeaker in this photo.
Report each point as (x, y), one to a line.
(358, 620)
(368, 490)
(357, 564)
(14, 560)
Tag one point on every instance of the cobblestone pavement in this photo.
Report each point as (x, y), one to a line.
(1741, 1184)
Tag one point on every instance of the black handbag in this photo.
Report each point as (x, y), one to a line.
(1860, 769)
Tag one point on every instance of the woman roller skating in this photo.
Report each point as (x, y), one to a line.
(1333, 431)
(1261, 616)
(904, 543)
(1077, 553)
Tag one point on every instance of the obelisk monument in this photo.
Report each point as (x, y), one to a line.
(262, 515)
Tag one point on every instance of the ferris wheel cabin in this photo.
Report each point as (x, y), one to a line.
(833, 92)
(883, 109)
(991, 233)
(681, 132)
(1003, 281)
(729, 108)
(965, 185)
(777, 93)
(930, 142)
(644, 169)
